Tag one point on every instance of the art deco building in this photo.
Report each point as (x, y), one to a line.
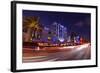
(56, 32)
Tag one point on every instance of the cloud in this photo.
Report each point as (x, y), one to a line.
(87, 21)
(79, 24)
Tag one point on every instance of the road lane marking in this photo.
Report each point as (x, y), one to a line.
(38, 60)
(34, 57)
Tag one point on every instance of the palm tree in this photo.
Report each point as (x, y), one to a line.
(30, 24)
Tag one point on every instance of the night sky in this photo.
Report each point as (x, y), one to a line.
(75, 22)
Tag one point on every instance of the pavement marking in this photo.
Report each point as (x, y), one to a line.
(70, 46)
(52, 59)
(40, 60)
(34, 57)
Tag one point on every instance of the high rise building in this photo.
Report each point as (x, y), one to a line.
(59, 31)
(77, 39)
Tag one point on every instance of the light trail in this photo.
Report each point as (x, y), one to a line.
(66, 53)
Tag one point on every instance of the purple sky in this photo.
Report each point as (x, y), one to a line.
(75, 22)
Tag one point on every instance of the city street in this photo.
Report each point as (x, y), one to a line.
(78, 52)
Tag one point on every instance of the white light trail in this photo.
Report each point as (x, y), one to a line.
(82, 47)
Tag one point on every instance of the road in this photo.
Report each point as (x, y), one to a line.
(79, 52)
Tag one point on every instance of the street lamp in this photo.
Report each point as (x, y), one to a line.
(61, 39)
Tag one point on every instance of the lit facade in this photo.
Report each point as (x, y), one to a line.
(54, 33)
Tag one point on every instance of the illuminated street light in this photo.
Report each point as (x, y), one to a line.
(61, 39)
